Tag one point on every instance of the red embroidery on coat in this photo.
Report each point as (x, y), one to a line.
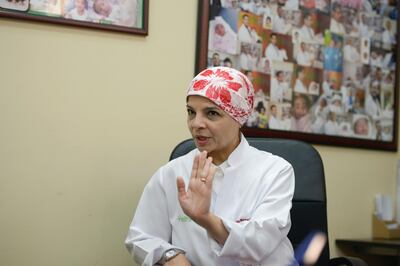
(242, 220)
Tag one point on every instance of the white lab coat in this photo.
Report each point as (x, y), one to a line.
(362, 29)
(245, 34)
(252, 195)
(292, 4)
(73, 14)
(337, 27)
(304, 58)
(247, 62)
(307, 33)
(372, 107)
(387, 37)
(280, 25)
(278, 90)
(228, 42)
(274, 123)
(273, 53)
(350, 53)
(331, 128)
(300, 87)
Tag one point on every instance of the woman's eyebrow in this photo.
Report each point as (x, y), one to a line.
(210, 108)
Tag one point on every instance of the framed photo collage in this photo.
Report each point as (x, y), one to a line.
(324, 71)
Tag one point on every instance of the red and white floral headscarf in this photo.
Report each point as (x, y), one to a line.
(228, 88)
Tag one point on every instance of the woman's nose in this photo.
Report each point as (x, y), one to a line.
(197, 121)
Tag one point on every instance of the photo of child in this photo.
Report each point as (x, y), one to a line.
(301, 118)
(103, 10)
(79, 12)
(19, 5)
(116, 12)
(46, 7)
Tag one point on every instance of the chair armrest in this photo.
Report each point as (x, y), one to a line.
(347, 261)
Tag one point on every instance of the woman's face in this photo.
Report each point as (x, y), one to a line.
(281, 77)
(300, 108)
(388, 25)
(302, 75)
(212, 129)
(80, 5)
(337, 14)
(308, 21)
(220, 29)
(361, 127)
(246, 20)
(102, 7)
(273, 39)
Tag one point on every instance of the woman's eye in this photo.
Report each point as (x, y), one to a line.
(213, 113)
(190, 112)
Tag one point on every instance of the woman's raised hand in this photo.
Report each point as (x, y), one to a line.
(195, 202)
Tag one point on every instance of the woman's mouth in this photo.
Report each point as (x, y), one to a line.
(201, 140)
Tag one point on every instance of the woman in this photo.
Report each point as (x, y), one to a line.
(224, 203)
(299, 85)
(301, 120)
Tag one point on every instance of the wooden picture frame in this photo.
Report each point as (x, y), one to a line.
(324, 71)
(130, 16)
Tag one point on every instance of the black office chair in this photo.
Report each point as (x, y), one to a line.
(308, 212)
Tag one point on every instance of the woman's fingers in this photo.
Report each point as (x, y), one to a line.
(204, 172)
(180, 183)
(195, 167)
(211, 173)
(202, 162)
(198, 165)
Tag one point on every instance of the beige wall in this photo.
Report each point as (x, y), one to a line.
(87, 116)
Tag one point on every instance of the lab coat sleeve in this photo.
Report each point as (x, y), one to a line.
(149, 234)
(254, 240)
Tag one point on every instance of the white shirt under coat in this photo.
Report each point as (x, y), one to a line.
(252, 193)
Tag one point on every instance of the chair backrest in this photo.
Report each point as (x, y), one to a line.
(308, 212)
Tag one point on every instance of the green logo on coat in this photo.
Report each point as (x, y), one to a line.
(183, 218)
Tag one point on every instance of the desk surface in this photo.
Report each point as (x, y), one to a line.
(382, 252)
(370, 241)
(386, 247)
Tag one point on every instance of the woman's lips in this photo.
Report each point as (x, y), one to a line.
(201, 140)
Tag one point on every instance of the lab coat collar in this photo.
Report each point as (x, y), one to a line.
(237, 155)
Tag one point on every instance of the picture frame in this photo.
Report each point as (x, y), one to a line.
(324, 71)
(129, 16)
